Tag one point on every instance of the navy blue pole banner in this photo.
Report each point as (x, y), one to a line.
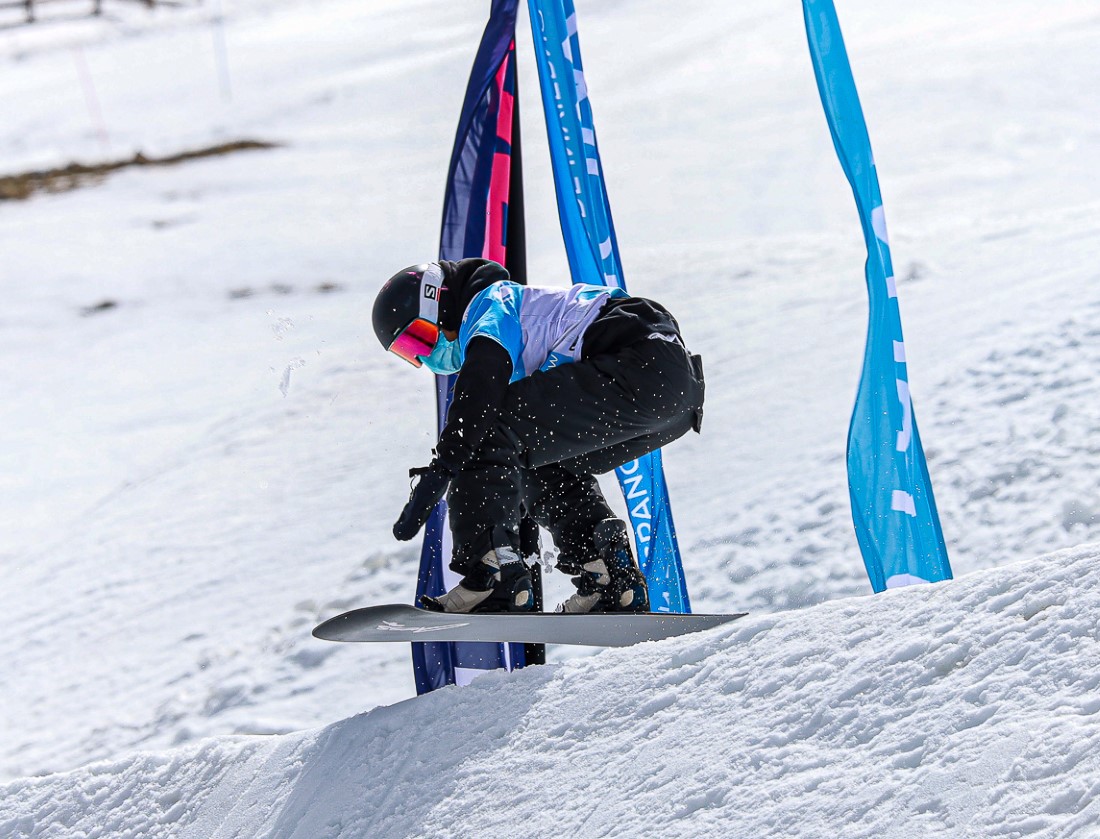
(482, 217)
(593, 252)
(894, 511)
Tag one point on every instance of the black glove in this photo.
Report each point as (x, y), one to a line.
(433, 483)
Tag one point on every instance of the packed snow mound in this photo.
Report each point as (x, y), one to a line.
(969, 708)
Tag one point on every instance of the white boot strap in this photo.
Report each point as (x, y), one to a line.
(579, 604)
(462, 599)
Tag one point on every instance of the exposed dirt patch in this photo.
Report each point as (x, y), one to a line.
(22, 186)
(99, 308)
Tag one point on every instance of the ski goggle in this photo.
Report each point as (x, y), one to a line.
(418, 338)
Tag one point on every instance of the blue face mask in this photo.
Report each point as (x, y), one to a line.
(445, 357)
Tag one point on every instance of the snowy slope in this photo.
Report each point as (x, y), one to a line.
(970, 709)
(191, 479)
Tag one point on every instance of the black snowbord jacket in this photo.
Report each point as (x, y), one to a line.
(482, 382)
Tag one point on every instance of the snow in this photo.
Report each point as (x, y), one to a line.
(965, 709)
(194, 477)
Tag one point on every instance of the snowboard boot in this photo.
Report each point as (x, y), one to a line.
(613, 582)
(499, 582)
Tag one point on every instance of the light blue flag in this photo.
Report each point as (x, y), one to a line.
(895, 515)
(593, 253)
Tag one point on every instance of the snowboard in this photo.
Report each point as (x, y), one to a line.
(397, 622)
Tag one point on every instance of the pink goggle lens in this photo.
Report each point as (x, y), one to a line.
(418, 338)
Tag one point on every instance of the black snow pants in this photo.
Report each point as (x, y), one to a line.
(560, 428)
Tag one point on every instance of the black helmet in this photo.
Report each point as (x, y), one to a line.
(409, 294)
(406, 312)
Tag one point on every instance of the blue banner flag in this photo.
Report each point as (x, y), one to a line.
(483, 185)
(593, 253)
(894, 511)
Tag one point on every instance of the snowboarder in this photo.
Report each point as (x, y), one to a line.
(557, 385)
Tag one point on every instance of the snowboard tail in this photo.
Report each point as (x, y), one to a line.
(399, 622)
